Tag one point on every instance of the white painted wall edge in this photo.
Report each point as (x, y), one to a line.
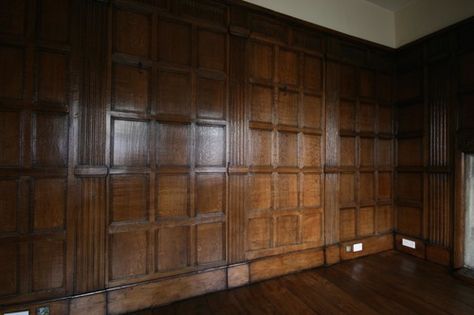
(363, 19)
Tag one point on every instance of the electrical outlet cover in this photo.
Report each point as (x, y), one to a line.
(43, 310)
(348, 248)
(408, 243)
(18, 313)
(358, 247)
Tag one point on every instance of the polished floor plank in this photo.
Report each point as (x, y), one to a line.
(386, 283)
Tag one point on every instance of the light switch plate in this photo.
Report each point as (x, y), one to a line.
(408, 243)
(358, 247)
(18, 313)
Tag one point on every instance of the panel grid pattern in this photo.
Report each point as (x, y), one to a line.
(285, 118)
(168, 154)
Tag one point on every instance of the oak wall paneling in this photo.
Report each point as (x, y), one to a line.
(203, 145)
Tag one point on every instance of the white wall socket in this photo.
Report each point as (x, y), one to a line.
(358, 247)
(408, 243)
(18, 313)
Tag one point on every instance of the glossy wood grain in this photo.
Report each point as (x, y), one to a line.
(388, 283)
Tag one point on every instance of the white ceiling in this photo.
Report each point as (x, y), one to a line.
(392, 5)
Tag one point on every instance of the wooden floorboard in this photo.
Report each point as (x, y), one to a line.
(386, 283)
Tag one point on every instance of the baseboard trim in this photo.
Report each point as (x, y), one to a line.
(160, 292)
(434, 253)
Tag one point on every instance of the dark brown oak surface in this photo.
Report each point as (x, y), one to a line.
(154, 150)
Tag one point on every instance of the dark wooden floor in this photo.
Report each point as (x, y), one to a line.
(387, 283)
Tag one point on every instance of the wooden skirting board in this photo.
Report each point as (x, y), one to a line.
(164, 291)
(424, 250)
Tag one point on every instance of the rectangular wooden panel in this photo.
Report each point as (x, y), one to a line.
(261, 103)
(384, 221)
(366, 221)
(132, 33)
(210, 243)
(288, 67)
(9, 202)
(210, 145)
(10, 138)
(173, 144)
(128, 254)
(131, 88)
(48, 259)
(210, 193)
(212, 50)
(287, 230)
(259, 233)
(287, 191)
(49, 204)
(261, 61)
(50, 139)
(260, 147)
(9, 272)
(311, 150)
(12, 17)
(312, 190)
(384, 186)
(11, 72)
(130, 142)
(348, 151)
(174, 42)
(287, 149)
(367, 152)
(346, 188)
(313, 73)
(52, 78)
(312, 111)
(260, 191)
(410, 221)
(173, 195)
(366, 187)
(347, 225)
(371, 245)
(312, 229)
(211, 98)
(287, 108)
(174, 93)
(410, 186)
(172, 248)
(54, 20)
(129, 198)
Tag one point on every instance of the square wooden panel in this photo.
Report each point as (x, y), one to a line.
(9, 272)
(384, 152)
(347, 224)
(348, 80)
(50, 139)
(466, 67)
(287, 230)
(347, 151)
(128, 254)
(173, 144)
(129, 197)
(11, 71)
(287, 108)
(54, 20)
(212, 50)
(312, 190)
(384, 87)
(172, 248)
(312, 228)
(211, 98)
(174, 42)
(260, 192)
(384, 123)
(173, 195)
(12, 20)
(287, 191)
(313, 73)
(261, 61)
(385, 186)
(10, 136)
(174, 93)
(384, 219)
(347, 116)
(130, 88)
(260, 147)
(259, 233)
(261, 103)
(410, 221)
(410, 186)
(410, 118)
(287, 149)
(346, 188)
(312, 112)
(410, 152)
(367, 187)
(367, 114)
(130, 143)
(132, 33)
(288, 67)
(52, 78)
(367, 152)
(210, 193)
(409, 85)
(366, 221)
(49, 203)
(8, 205)
(210, 243)
(311, 150)
(48, 259)
(367, 83)
(210, 145)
